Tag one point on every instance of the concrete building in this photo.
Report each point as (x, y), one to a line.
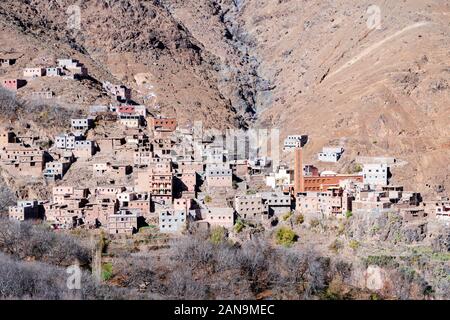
(172, 221)
(53, 72)
(42, 95)
(13, 84)
(139, 110)
(77, 69)
(219, 217)
(6, 62)
(219, 177)
(26, 210)
(33, 72)
(283, 177)
(324, 182)
(294, 141)
(278, 203)
(55, 170)
(82, 124)
(251, 208)
(66, 141)
(142, 156)
(164, 124)
(375, 174)
(156, 180)
(123, 222)
(330, 154)
(130, 121)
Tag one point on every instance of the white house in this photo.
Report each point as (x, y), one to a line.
(171, 220)
(376, 174)
(291, 142)
(283, 177)
(330, 154)
(65, 141)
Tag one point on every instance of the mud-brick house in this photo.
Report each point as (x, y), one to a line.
(33, 72)
(84, 149)
(96, 212)
(26, 210)
(13, 84)
(63, 216)
(23, 161)
(219, 217)
(44, 95)
(141, 202)
(6, 137)
(219, 177)
(121, 92)
(142, 156)
(123, 222)
(251, 208)
(108, 144)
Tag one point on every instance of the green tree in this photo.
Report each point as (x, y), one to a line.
(285, 236)
(107, 271)
(239, 225)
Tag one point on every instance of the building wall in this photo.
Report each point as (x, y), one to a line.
(172, 221)
(375, 174)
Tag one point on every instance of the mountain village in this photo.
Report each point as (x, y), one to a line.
(132, 169)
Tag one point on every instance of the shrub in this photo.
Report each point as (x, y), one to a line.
(335, 246)
(353, 244)
(208, 199)
(239, 225)
(314, 222)
(107, 271)
(348, 214)
(381, 261)
(217, 235)
(287, 215)
(285, 236)
(299, 219)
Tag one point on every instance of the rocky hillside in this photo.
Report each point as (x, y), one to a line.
(324, 68)
(140, 44)
(377, 91)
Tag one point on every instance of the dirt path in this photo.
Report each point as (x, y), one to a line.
(375, 46)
